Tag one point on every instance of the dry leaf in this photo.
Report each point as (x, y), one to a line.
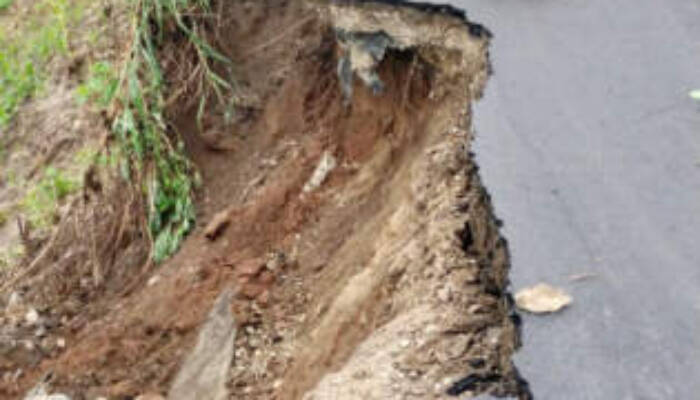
(542, 298)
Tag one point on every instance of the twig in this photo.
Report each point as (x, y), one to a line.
(40, 257)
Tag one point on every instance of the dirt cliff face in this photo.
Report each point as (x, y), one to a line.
(344, 208)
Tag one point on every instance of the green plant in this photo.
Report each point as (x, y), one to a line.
(5, 4)
(10, 256)
(99, 86)
(42, 200)
(155, 158)
(26, 50)
(86, 156)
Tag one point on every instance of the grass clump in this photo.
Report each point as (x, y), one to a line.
(100, 85)
(155, 158)
(10, 256)
(42, 201)
(26, 50)
(5, 4)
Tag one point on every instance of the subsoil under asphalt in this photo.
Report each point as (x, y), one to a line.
(355, 232)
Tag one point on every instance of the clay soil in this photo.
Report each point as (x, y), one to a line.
(388, 280)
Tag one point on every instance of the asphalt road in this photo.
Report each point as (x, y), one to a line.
(590, 146)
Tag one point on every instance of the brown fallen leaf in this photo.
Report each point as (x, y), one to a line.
(542, 298)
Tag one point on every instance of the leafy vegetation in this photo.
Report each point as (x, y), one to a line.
(9, 257)
(156, 158)
(42, 201)
(26, 51)
(133, 92)
(5, 4)
(100, 85)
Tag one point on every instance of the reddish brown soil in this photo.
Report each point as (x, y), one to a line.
(253, 173)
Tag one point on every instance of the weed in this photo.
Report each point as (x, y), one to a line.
(100, 85)
(42, 201)
(5, 4)
(156, 158)
(10, 256)
(3, 217)
(85, 157)
(27, 49)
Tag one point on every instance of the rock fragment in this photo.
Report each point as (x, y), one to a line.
(326, 164)
(204, 373)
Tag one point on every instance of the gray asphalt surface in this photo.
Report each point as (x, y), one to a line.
(590, 146)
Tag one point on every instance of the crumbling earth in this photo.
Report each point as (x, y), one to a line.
(343, 208)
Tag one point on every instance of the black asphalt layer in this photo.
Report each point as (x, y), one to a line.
(590, 147)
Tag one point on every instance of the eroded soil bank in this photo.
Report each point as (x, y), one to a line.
(343, 207)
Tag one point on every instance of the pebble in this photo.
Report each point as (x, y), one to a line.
(153, 280)
(40, 332)
(444, 294)
(61, 343)
(32, 316)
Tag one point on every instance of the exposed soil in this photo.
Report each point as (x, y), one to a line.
(387, 280)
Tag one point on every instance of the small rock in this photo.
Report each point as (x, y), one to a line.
(40, 331)
(32, 317)
(444, 294)
(326, 164)
(405, 343)
(153, 280)
(40, 392)
(204, 372)
(276, 260)
(217, 225)
(254, 342)
(29, 345)
(61, 343)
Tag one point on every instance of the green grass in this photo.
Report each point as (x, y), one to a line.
(42, 201)
(149, 154)
(5, 4)
(26, 49)
(155, 158)
(10, 256)
(100, 85)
